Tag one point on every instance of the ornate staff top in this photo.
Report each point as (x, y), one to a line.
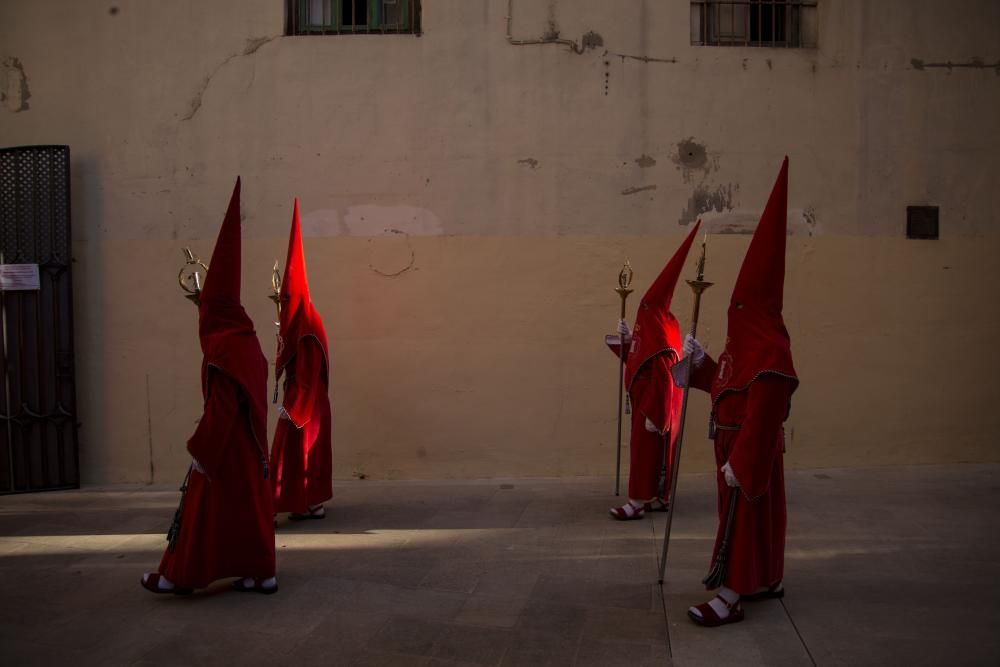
(624, 284)
(275, 294)
(189, 276)
(699, 284)
(625, 280)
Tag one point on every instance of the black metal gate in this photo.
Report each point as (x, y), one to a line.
(38, 427)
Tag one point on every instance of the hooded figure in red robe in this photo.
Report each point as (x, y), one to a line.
(653, 347)
(751, 386)
(224, 525)
(302, 455)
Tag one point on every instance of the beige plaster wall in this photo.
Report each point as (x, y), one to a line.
(467, 204)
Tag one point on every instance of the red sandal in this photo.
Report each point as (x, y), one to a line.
(770, 593)
(657, 505)
(710, 619)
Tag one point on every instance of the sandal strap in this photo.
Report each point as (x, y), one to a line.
(627, 512)
(708, 613)
(726, 602)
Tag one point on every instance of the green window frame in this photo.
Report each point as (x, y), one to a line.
(341, 17)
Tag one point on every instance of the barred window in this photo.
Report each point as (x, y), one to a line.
(773, 23)
(349, 17)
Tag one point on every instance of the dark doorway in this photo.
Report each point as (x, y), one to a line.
(38, 426)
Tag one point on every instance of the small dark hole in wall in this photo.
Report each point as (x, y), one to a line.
(113, 10)
(922, 222)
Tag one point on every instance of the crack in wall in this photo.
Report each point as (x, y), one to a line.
(252, 46)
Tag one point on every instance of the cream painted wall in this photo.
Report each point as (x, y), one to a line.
(467, 204)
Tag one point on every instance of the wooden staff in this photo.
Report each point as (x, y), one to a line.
(624, 289)
(189, 278)
(717, 575)
(275, 296)
(698, 285)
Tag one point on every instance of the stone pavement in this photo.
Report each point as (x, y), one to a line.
(884, 567)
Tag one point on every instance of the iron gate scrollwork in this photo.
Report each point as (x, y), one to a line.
(38, 425)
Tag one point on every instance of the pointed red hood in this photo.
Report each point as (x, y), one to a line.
(656, 330)
(228, 340)
(298, 318)
(757, 342)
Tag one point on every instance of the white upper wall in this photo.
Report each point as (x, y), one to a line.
(456, 131)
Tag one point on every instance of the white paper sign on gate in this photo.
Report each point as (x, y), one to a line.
(18, 277)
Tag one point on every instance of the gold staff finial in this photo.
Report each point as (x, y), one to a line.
(275, 294)
(699, 284)
(189, 276)
(625, 280)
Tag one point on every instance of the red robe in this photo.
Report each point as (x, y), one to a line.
(655, 346)
(227, 527)
(227, 521)
(652, 395)
(302, 453)
(750, 438)
(302, 456)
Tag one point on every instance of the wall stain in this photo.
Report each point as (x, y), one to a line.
(643, 59)
(733, 229)
(530, 161)
(644, 161)
(551, 35)
(809, 217)
(632, 191)
(692, 157)
(704, 200)
(974, 63)
(591, 40)
(15, 92)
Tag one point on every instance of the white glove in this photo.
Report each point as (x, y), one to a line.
(197, 466)
(692, 348)
(731, 480)
(651, 427)
(623, 329)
